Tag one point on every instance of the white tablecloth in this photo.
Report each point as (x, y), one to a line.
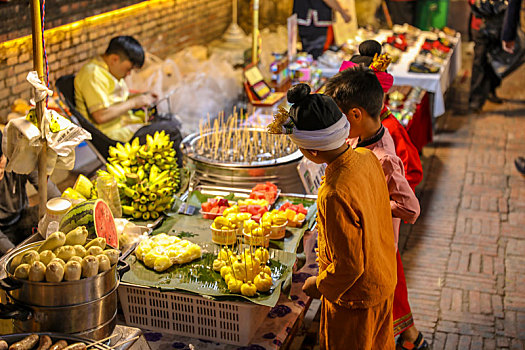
(437, 83)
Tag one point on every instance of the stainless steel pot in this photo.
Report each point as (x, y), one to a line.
(86, 307)
(95, 319)
(281, 171)
(58, 294)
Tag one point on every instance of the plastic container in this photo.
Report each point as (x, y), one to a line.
(56, 208)
(224, 237)
(190, 315)
(107, 190)
(278, 232)
(259, 241)
(296, 223)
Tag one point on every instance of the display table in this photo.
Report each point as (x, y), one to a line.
(420, 127)
(436, 83)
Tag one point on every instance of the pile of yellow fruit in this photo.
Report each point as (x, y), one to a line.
(162, 251)
(250, 201)
(231, 220)
(245, 273)
(274, 218)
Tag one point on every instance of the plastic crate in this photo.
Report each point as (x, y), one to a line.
(190, 315)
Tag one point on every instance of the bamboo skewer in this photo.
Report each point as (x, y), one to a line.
(101, 341)
(124, 342)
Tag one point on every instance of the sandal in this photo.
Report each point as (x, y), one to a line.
(406, 345)
(520, 165)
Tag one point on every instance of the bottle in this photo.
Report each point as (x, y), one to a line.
(107, 190)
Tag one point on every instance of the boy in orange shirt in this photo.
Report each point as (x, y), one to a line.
(361, 101)
(357, 269)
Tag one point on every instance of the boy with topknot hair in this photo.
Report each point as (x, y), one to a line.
(357, 269)
(359, 94)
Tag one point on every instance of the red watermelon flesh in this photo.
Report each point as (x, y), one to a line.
(105, 224)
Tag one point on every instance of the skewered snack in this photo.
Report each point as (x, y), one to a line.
(230, 140)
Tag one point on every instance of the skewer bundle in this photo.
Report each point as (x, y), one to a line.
(230, 140)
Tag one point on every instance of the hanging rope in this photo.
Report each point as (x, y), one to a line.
(44, 46)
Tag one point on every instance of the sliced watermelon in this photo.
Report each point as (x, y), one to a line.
(96, 216)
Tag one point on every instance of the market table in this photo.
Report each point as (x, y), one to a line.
(288, 307)
(279, 326)
(436, 83)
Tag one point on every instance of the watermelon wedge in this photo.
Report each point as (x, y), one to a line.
(96, 216)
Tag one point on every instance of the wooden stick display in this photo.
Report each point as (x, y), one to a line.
(228, 140)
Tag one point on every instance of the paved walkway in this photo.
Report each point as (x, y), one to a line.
(464, 258)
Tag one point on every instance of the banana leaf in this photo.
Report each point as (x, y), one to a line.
(196, 198)
(293, 234)
(200, 230)
(198, 277)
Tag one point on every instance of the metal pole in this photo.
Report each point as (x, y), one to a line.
(38, 66)
(255, 33)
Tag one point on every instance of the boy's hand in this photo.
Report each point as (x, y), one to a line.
(310, 288)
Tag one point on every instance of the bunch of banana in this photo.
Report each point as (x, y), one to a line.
(147, 175)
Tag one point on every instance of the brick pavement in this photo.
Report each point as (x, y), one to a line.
(464, 258)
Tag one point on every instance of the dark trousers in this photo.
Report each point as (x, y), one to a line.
(313, 40)
(402, 12)
(170, 127)
(12, 235)
(484, 80)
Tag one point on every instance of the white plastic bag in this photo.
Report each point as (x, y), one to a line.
(21, 145)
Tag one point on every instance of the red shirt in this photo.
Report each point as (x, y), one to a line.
(404, 149)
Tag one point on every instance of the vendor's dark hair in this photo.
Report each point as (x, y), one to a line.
(127, 47)
(354, 87)
(367, 50)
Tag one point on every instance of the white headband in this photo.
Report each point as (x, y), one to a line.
(321, 140)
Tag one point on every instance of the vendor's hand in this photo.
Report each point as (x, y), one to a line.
(346, 15)
(310, 288)
(144, 100)
(508, 46)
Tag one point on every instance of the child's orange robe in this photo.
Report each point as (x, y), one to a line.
(357, 262)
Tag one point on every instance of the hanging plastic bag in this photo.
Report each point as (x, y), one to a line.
(21, 145)
(505, 63)
(62, 135)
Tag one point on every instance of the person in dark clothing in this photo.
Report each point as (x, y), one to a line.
(508, 37)
(17, 218)
(314, 18)
(510, 25)
(402, 11)
(486, 32)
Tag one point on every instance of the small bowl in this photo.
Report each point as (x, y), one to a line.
(224, 237)
(259, 241)
(278, 232)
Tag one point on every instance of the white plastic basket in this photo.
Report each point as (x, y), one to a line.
(190, 315)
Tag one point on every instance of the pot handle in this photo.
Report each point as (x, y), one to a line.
(122, 267)
(11, 311)
(9, 284)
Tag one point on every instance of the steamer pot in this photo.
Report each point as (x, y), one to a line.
(46, 294)
(94, 320)
(281, 171)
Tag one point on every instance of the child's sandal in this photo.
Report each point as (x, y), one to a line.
(406, 345)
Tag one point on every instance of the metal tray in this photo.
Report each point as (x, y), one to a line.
(13, 338)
